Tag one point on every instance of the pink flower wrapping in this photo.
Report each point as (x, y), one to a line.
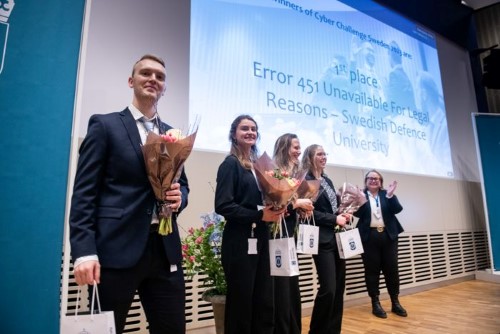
(351, 198)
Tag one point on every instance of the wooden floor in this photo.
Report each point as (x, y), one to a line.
(470, 307)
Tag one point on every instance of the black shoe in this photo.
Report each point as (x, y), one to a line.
(377, 310)
(399, 310)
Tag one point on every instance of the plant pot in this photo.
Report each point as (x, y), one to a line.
(218, 306)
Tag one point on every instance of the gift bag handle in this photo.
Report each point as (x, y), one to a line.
(307, 220)
(280, 229)
(302, 220)
(349, 224)
(95, 295)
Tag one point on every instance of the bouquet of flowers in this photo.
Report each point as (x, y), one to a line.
(201, 253)
(351, 198)
(277, 187)
(165, 155)
(309, 189)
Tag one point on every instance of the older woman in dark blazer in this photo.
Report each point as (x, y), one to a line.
(379, 229)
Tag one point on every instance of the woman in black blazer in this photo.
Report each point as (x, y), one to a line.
(287, 300)
(379, 229)
(245, 241)
(329, 302)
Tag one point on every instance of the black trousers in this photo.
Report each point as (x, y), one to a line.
(329, 302)
(287, 305)
(250, 293)
(162, 293)
(381, 254)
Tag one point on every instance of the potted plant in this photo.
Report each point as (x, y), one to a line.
(201, 250)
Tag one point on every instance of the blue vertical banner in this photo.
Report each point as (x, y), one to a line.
(6, 8)
(39, 52)
(488, 143)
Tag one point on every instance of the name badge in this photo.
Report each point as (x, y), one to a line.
(252, 246)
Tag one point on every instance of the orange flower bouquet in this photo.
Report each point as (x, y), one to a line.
(164, 156)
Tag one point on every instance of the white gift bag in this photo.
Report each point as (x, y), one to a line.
(283, 255)
(349, 243)
(93, 323)
(308, 237)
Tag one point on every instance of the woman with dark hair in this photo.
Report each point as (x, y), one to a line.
(329, 302)
(379, 229)
(245, 241)
(287, 300)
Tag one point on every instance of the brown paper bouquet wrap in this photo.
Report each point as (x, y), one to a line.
(309, 189)
(164, 160)
(277, 188)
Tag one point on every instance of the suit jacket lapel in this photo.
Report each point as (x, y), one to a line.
(164, 127)
(369, 209)
(133, 133)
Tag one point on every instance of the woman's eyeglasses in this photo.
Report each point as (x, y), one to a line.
(373, 178)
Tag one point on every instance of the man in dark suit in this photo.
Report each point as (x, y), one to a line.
(113, 222)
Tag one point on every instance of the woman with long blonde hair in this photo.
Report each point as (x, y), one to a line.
(287, 300)
(329, 302)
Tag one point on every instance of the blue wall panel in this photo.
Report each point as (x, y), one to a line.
(488, 141)
(37, 91)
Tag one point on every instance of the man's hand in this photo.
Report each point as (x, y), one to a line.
(174, 196)
(87, 272)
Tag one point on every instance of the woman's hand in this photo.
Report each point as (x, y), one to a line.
(392, 188)
(303, 203)
(343, 219)
(305, 214)
(270, 214)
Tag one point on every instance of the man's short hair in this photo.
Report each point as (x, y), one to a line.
(150, 57)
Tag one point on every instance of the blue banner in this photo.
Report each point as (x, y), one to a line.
(39, 50)
(488, 142)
